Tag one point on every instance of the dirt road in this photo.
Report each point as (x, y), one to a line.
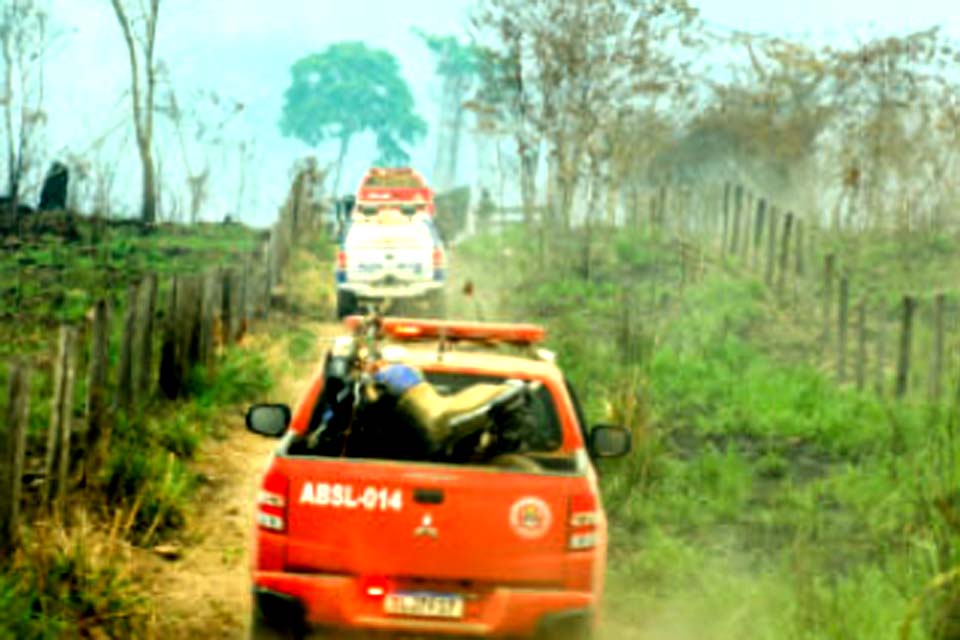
(205, 592)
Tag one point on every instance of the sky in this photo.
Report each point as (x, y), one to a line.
(243, 49)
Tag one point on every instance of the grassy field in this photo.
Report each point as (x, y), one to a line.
(763, 500)
(69, 578)
(45, 281)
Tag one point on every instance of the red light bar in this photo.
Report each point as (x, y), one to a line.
(417, 329)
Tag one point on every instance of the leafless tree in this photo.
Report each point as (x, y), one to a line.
(855, 131)
(563, 74)
(23, 44)
(199, 129)
(140, 35)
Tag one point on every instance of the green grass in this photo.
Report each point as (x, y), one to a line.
(762, 500)
(148, 469)
(71, 580)
(48, 281)
(70, 584)
(302, 346)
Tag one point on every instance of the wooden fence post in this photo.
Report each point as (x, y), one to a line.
(626, 335)
(243, 303)
(758, 231)
(799, 231)
(171, 352)
(771, 246)
(66, 424)
(745, 245)
(784, 253)
(661, 209)
(210, 307)
(842, 323)
(228, 298)
(191, 314)
(12, 455)
(879, 383)
(861, 372)
(906, 339)
(296, 194)
(936, 363)
(651, 215)
(57, 462)
(124, 393)
(726, 218)
(270, 261)
(98, 427)
(737, 219)
(828, 268)
(143, 361)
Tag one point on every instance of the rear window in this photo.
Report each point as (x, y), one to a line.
(548, 435)
(403, 180)
(381, 431)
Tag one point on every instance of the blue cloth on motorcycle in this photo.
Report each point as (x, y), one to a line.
(398, 378)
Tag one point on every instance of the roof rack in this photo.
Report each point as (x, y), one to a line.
(412, 329)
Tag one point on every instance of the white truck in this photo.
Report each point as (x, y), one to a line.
(389, 257)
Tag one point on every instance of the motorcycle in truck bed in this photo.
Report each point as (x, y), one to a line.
(436, 479)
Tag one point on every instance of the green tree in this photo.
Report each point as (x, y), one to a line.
(346, 90)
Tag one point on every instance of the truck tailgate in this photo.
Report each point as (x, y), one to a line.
(381, 518)
(401, 251)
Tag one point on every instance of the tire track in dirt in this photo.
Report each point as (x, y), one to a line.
(206, 592)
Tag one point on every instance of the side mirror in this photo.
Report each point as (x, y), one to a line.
(610, 441)
(268, 419)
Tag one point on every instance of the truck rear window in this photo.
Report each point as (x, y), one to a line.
(383, 433)
(549, 434)
(393, 180)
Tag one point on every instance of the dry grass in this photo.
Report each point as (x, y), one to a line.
(72, 581)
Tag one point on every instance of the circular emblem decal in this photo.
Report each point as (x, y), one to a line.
(530, 517)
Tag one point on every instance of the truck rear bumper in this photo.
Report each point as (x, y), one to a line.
(332, 601)
(361, 290)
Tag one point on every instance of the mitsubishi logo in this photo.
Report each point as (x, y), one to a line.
(426, 528)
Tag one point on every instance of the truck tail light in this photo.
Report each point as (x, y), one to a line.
(438, 263)
(272, 502)
(582, 526)
(375, 586)
(341, 260)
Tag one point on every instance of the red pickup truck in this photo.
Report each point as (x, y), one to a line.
(394, 187)
(385, 540)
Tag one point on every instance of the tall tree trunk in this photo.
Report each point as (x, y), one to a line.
(552, 213)
(529, 159)
(344, 143)
(13, 175)
(456, 129)
(148, 202)
(441, 163)
(567, 182)
(142, 100)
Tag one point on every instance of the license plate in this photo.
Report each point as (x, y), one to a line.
(427, 605)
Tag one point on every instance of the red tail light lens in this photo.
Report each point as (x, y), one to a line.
(584, 517)
(437, 258)
(375, 586)
(272, 502)
(341, 259)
